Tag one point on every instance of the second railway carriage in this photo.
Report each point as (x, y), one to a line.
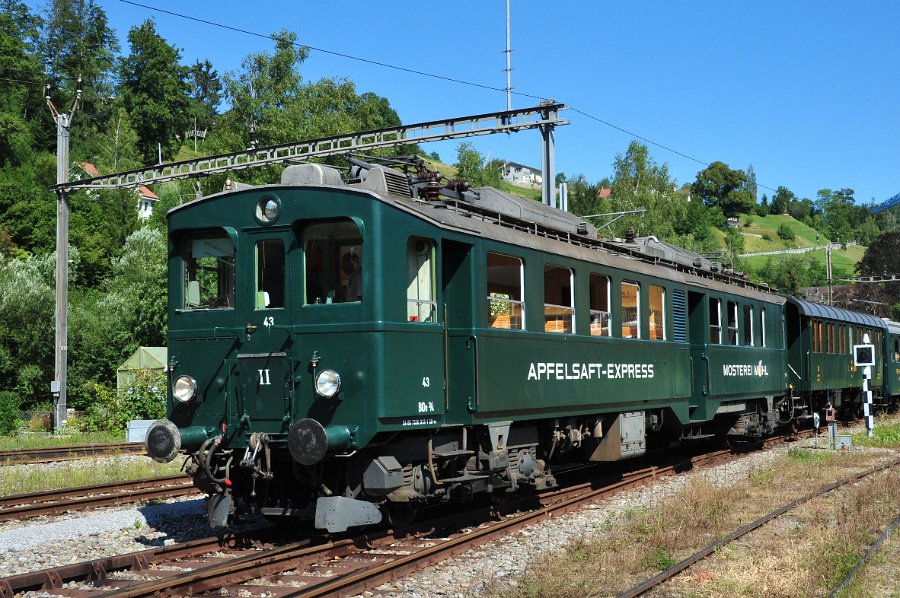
(342, 348)
(820, 346)
(892, 365)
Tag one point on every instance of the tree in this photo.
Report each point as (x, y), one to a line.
(154, 92)
(206, 92)
(20, 74)
(882, 257)
(77, 43)
(751, 182)
(783, 196)
(469, 164)
(719, 185)
(270, 103)
(639, 182)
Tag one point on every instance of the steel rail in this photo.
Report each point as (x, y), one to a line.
(67, 453)
(358, 581)
(874, 548)
(49, 502)
(240, 570)
(702, 554)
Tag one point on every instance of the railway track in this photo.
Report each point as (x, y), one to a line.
(68, 453)
(54, 502)
(668, 574)
(317, 567)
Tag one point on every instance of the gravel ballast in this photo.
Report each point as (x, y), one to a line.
(75, 537)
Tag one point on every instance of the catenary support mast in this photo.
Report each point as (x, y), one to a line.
(58, 386)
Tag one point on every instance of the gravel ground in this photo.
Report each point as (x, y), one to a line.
(77, 537)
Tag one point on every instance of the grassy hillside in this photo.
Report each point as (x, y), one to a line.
(843, 261)
(761, 233)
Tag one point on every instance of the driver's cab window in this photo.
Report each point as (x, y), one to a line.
(420, 281)
(208, 271)
(333, 262)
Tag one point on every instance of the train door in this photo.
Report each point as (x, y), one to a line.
(701, 324)
(262, 388)
(458, 283)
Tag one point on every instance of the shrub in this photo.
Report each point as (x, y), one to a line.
(109, 410)
(785, 232)
(9, 412)
(748, 221)
(766, 237)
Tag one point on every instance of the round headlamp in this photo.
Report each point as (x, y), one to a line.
(268, 209)
(184, 389)
(328, 383)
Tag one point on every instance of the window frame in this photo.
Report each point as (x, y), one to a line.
(715, 329)
(661, 326)
(637, 307)
(567, 312)
(496, 303)
(332, 274)
(605, 317)
(415, 304)
(185, 240)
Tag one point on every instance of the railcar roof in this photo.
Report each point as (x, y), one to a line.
(818, 310)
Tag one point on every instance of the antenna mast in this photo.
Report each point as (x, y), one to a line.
(508, 67)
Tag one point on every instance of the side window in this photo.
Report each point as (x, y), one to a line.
(715, 321)
(631, 318)
(269, 274)
(333, 262)
(208, 271)
(732, 323)
(558, 305)
(599, 305)
(762, 327)
(420, 281)
(748, 325)
(897, 349)
(505, 290)
(657, 316)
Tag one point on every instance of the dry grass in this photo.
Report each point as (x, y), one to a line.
(22, 479)
(800, 554)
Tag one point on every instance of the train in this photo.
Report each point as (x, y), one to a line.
(350, 345)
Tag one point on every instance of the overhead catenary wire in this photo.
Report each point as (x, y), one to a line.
(420, 72)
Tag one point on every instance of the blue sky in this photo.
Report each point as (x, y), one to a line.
(808, 92)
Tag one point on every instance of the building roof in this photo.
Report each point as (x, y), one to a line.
(604, 193)
(147, 193)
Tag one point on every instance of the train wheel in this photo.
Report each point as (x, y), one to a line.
(400, 514)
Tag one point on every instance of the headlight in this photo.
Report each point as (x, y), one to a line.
(268, 209)
(184, 388)
(328, 383)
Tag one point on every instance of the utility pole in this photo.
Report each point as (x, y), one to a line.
(58, 385)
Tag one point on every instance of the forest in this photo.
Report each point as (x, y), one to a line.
(141, 104)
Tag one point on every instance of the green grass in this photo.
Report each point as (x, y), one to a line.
(843, 261)
(768, 225)
(884, 436)
(23, 479)
(41, 440)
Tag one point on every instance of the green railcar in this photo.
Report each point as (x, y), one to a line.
(892, 365)
(339, 349)
(820, 345)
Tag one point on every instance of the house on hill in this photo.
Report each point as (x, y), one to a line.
(146, 198)
(519, 174)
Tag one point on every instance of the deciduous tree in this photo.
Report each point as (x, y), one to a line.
(719, 185)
